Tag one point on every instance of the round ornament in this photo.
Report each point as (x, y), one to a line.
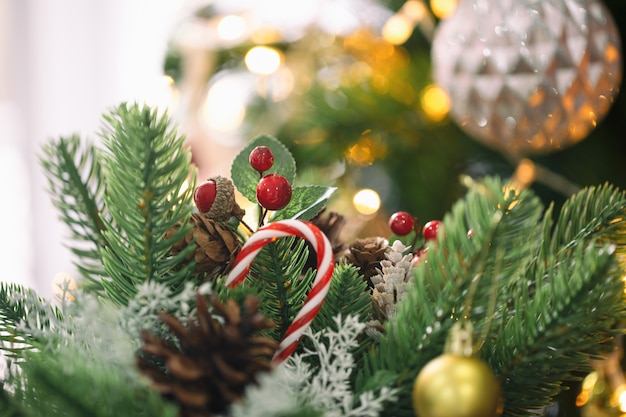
(528, 76)
(453, 385)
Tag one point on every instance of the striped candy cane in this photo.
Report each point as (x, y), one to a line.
(321, 283)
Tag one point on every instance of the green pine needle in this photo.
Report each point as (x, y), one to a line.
(20, 309)
(535, 295)
(70, 384)
(145, 167)
(76, 186)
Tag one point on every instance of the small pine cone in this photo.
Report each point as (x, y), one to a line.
(217, 245)
(366, 254)
(213, 362)
(391, 282)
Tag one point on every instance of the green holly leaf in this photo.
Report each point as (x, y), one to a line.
(245, 178)
(305, 202)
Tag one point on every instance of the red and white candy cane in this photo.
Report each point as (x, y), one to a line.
(325, 265)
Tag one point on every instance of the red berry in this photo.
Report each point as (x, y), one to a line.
(261, 159)
(204, 195)
(273, 191)
(430, 229)
(401, 223)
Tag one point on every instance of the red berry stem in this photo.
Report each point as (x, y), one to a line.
(262, 213)
(246, 226)
(416, 228)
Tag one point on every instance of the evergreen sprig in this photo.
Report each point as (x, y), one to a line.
(21, 309)
(70, 384)
(146, 168)
(278, 269)
(76, 186)
(520, 291)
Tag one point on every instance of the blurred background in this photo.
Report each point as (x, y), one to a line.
(348, 85)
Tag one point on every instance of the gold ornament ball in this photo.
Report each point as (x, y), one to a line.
(456, 386)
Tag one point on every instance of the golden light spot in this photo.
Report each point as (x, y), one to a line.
(231, 27)
(397, 29)
(443, 8)
(263, 60)
(435, 102)
(366, 150)
(414, 10)
(366, 201)
(524, 173)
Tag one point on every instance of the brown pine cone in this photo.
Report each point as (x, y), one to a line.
(366, 254)
(217, 245)
(213, 362)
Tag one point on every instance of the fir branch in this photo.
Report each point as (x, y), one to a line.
(76, 186)
(56, 386)
(23, 318)
(277, 271)
(145, 167)
(348, 295)
(456, 269)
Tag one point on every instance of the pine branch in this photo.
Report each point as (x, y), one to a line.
(516, 285)
(76, 186)
(57, 387)
(23, 315)
(348, 296)
(145, 168)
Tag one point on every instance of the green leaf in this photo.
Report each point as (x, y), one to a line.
(246, 178)
(305, 202)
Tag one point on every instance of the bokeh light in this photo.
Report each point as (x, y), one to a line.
(397, 29)
(443, 8)
(366, 201)
(435, 102)
(225, 105)
(263, 60)
(231, 27)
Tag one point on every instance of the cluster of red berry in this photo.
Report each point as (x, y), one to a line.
(273, 191)
(402, 223)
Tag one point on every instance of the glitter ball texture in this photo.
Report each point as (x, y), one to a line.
(528, 76)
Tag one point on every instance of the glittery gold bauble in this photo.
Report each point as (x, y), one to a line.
(456, 386)
(528, 76)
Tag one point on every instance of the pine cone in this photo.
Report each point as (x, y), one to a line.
(366, 254)
(331, 225)
(216, 245)
(212, 363)
(391, 282)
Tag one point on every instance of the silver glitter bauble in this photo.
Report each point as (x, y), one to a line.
(528, 76)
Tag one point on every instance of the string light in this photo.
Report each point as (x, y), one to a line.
(366, 201)
(435, 102)
(263, 60)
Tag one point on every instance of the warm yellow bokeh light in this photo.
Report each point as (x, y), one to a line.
(414, 10)
(397, 29)
(225, 107)
(366, 201)
(443, 8)
(525, 173)
(435, 102)
(231, 27)
(263, 60)
(622, 398)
